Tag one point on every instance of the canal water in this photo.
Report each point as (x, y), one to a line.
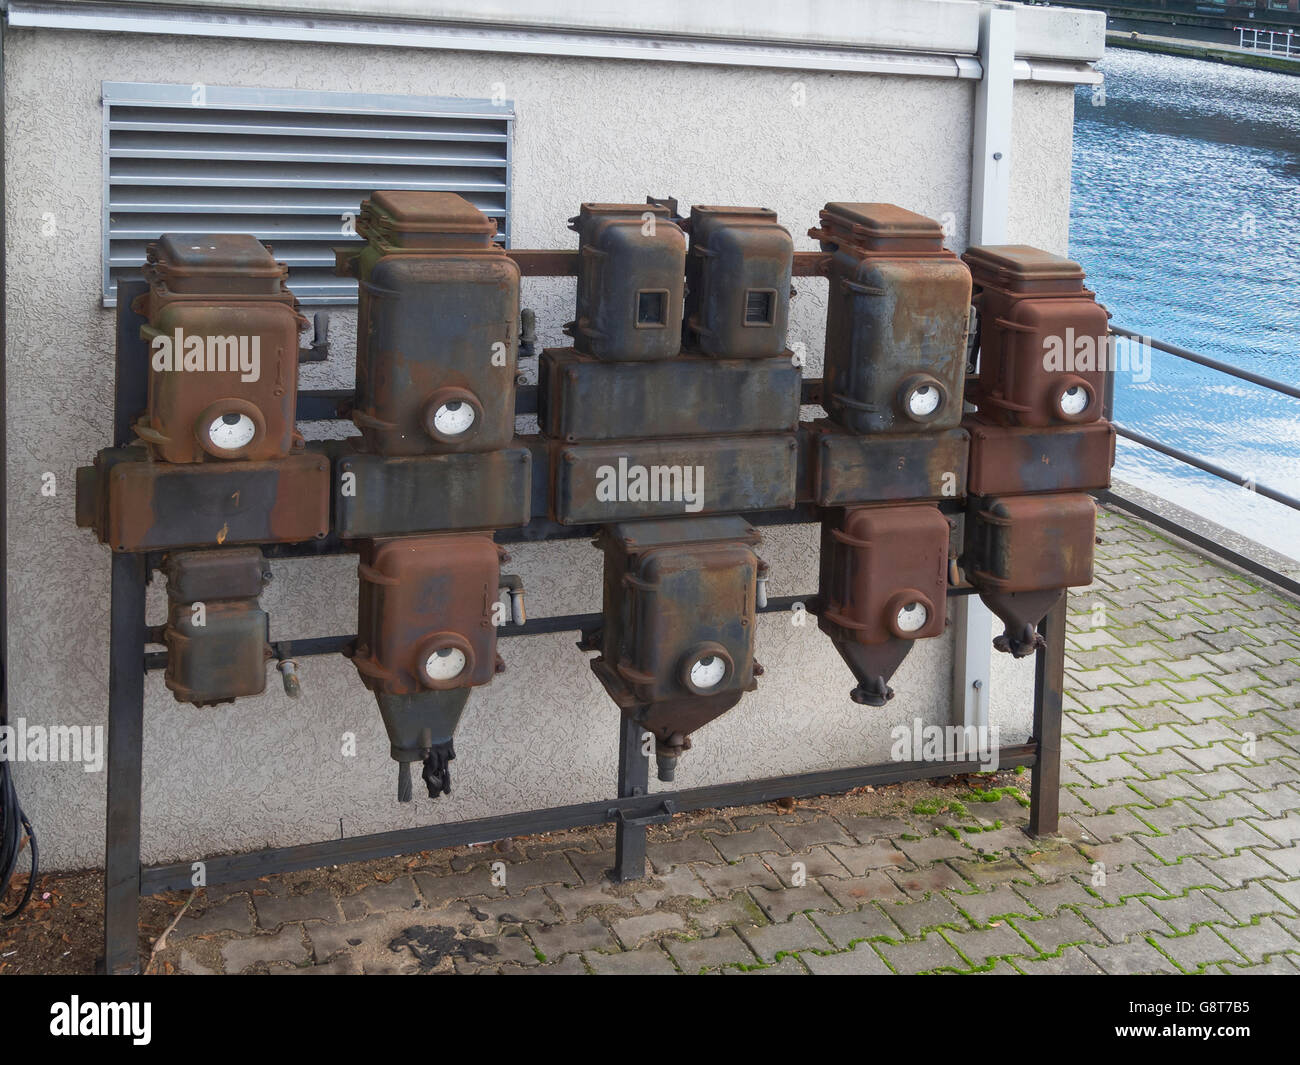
(1185, 213)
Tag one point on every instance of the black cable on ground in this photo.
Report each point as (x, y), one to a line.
(13, 827)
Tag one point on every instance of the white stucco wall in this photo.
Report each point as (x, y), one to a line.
(268, 771)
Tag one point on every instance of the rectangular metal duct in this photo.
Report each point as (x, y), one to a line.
(287, 166)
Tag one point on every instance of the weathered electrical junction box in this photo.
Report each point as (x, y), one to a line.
(670, 430)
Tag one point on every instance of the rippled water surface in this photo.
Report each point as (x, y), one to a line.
(1185, 212)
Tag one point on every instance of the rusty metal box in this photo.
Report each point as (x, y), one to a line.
(848, 468)
(738, 270)
(1006, 460)
(201, 576)
(631, 276)
(135, 504)
(425, 613)
(581, 398)
(222, 332)
(896, 323)
(216, 634)
(600, 483)
(1044, 348)
(437, 335)
(884, 573)
(1030, 543)
(679, 610)
(382, 495)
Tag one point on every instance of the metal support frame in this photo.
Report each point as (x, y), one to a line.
(633, 782)
(632, 810)
(1049, 692)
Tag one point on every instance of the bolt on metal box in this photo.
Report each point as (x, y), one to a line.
(1016, 460)
(738, 269)
(677, 643)
(883, 585)
(1022, 552)
(631, 278)
(216, 633)
(897, 316)
(437, 336)
(1031, 543)
(425, 612)
(135, 504)
(392, 495)
(1044, 348)
(632, 479)
(581, 398)
(222, 332)
(850, 468)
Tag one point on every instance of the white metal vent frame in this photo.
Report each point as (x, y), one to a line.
(157, 142)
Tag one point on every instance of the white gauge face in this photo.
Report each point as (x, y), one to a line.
(230, 432)
(923, 401)
(1074, 400)
(454, 418)
(912, 617)
(445, 663)
(708, 671)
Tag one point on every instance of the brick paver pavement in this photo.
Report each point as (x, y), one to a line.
(1179, 849)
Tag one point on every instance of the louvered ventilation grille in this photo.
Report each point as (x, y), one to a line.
(289, 167)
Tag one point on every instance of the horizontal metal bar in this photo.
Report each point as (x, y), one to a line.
(1209, 467)
(209, 180)
(177, 876)
(333, 645)
(1213, 364)
(563, 262)
(1205, 543)
(206, 153)
(325, 404)
(336, 645)
(341, 204)
(235, 129)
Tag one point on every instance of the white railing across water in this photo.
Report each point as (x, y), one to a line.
(1282, 43)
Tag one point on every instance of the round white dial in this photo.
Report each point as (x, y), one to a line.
(1074, 400)
(454, 418)
(923, 401)
(708, 671)
(912, 617)
(445, 663)
(230, 432)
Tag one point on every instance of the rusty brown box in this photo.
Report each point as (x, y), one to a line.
(136, 504)
(581, 398)
(1007, 460)
(216, 634)
(631, 278)
(849, 468)
(599, 483)
(898, 309)
(399, 494)
(1044, 350)
(425, 612)
(884, 573)
(437, 327)
(678, 592)
(738, 271)
(223, 347)
(1031, 543)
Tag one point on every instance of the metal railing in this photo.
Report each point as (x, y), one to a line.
(1285, 44)
(1187, 457)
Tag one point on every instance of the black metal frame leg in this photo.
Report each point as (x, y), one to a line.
(1049, 686)
(125, 758)
(633, 780)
